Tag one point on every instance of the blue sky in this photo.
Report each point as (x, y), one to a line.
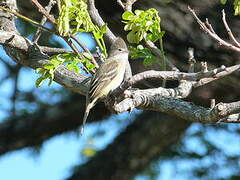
(54, 162)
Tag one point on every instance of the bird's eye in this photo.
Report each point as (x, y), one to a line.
(119, 49)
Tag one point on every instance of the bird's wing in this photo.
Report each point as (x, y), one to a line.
(101, 80)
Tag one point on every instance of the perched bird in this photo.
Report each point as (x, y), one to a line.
(108, 76)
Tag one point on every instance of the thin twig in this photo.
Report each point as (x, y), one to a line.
(69, 41)
(75, 49)
(200, 78)
(44, 19)
(230, 34)
(120, 3)
(126, 6)
(44, 11)
(82, 45)
(85, 49)
(207, 28)
(27, 19)
(227, 71)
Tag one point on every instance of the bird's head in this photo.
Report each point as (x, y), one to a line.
(118, 47)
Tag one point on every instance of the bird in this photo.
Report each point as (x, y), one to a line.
(108, 76)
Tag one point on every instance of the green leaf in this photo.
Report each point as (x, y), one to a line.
(127, 15)
(143, 25)
(40, 70)
(73, 67)
(132, 38)
(145, 53)
(49, 66)
(138, 12)
(88, 152)
(149, 60)
(236, 7)
(39, 81)
(50, 82)
(223, 1)
(103, 29)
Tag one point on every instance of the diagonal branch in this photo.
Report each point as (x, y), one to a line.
(128, 5)
(74, 81)
(200, 77)
(44, 19)
(207, 28)
(231, 36)
(44, 11)
(97, 19)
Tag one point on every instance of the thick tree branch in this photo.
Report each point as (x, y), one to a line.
(150, 100)
(13, 40)
(154, 145)
(69, 79)
(77, 83)
(97, 19)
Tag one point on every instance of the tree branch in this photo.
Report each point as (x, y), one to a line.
(97, 19)
(128, 5)
(44, 19)
(207, 28)
(201, 77)
(230, 34)
(150, 100)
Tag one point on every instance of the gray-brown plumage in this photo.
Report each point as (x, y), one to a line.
(108, 77)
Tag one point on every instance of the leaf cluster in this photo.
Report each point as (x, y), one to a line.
(74, 18)
(236, 5)
(142, 52)
(69, 60)
(143, 25)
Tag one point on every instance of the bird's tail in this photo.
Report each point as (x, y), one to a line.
(88, 108)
